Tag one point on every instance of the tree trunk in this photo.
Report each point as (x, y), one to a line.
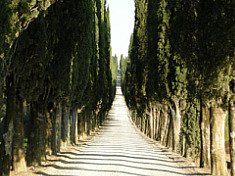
(93, 121)
(168, 121)
(154, 121)
(38, 134)
(176, 125)
(163, 119)
(205, 137)
(6, 138)
(65, 124)
(101, 114)
(151, 123)
(56, 132)
(169, 142)
(53, 133)
(141, 123)
(59, 125)
(80, 126)
(19, 162)
(89, 123)
(147, 125)
(73, 126)
(218, 155)
(133, 117)
(183, 143)
(183, 151)
(85, 124)
(232, 133)
(138, 121)
(157, 133)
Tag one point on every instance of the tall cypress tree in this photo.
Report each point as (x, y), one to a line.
(13, 26)
(216, 46)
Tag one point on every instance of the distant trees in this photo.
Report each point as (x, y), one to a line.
(57, 77)
(179, 79)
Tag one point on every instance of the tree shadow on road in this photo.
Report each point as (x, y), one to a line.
(68, 160)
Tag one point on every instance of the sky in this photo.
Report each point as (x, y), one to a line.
(122, 24)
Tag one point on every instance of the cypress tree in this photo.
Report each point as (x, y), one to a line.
(216, 46)
(13, 26)
(102, 77)
(111, 65)
(183, 46)
(33, 79)
(184, 51)
(136, 71)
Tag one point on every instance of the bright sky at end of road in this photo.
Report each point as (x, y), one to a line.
(122, 24)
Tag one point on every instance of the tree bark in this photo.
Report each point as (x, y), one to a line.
(183, 150)
(65, 124)
(151, 123)
(141, 123)
(168, 121)
(80, 126)
(169, 142)
(85, 124)
(205, 137)
(19, 162)
(56, 132)
(164, 119)
(89, 123)
(138, 121)
(232, 133)
(6, 138)
(158, 113)
(176, 124)
(154, 121)
(73, 126)
(103, 116)
(146, 124)
(93, 121)
(59, 125)
(218, 155)
(38, 134)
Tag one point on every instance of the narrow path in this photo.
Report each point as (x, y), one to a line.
(118, 150)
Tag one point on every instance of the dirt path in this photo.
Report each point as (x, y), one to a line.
(118, 150)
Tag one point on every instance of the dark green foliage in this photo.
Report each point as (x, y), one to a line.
(83, 51)
(62, 56)
(91, 89)
(181, 51)
(110, 77)
(7, 129)
(136, 71)
(139, 52)
(60, 48)
(114, 71)
(216, 43)
(104, 88)
(191, 130)
(15, 17)
(158, 50)
(123, 68)
(31, 61)
(128, 83)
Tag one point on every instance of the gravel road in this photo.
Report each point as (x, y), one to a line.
(117, 150)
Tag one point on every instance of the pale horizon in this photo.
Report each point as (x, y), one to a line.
(122, 24)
